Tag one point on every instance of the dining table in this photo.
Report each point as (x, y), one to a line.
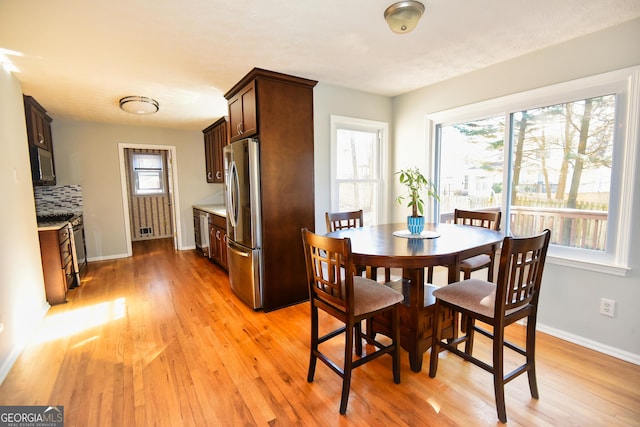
(392, 246)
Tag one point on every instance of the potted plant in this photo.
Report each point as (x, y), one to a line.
(416, 183)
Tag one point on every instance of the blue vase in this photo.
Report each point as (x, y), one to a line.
(415, 224)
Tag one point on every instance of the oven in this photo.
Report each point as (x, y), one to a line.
(78, 246)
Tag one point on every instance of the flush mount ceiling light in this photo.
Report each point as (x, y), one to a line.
(403, 16)
(139, 105)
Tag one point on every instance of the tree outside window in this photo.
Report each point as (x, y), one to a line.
(559, 176)
(562, 170)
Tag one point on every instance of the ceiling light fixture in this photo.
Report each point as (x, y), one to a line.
(403, 16)
(139, 105)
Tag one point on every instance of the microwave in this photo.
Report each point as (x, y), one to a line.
(42, 171)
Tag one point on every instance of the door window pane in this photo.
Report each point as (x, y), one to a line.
(149, 181)
(147, 161)
(148, 173)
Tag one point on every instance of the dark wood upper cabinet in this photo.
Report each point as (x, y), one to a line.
(40, 142)
(38, 124)
(242, 113)
(216, 137)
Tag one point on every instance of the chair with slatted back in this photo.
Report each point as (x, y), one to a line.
(335, 289)
(513, 297)
(340, 220)
(486, 219)
(352, 219)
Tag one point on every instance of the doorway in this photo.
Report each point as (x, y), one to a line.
(149, 199)
(149, 179)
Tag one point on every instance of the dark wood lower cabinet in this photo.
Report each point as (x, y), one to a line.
(57, 264)
(218, 239)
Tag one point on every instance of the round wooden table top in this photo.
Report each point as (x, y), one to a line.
(378, 246)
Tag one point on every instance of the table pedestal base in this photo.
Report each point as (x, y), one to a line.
(415, 336)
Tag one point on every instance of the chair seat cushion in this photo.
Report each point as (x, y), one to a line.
(371, 295)
(473, 294)
(475, 262)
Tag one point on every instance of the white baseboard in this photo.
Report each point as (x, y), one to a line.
(15, 352)
(593, 345)
(108, 257)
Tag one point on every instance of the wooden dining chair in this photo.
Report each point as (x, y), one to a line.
(351, 219)
(335, 289)
(486, 219)
(340, 220)
(513, 297)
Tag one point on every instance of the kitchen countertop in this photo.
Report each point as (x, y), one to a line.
(52, 226)
(57, 225)
(219, 210)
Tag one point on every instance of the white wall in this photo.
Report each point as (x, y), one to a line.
(86, 153)
(22, 298)
(570, 298)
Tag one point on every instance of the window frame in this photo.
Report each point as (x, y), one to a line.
(625, 84)
(382, 128)
(137, 192)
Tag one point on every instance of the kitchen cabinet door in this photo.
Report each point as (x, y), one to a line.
(220, 139)
(243, 120)
(38, 124)
(216, 137)
(57, 264)
(221, 242)
(218, 240)
(208, 154)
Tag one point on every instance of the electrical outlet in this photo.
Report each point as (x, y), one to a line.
(607, 307)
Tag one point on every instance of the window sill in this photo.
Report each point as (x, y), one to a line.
(600, 267)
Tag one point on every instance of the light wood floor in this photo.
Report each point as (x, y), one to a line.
(158, 339)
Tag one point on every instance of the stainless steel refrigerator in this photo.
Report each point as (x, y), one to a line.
(244, 234)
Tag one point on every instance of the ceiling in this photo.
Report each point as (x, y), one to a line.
(78, 58)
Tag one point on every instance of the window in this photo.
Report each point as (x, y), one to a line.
(357, 153)
(147, 173)
(561, 171)
(560, 158)
(472, 165)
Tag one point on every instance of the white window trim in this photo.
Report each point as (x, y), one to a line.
(616, 260)
(137, 192)
(365, 125)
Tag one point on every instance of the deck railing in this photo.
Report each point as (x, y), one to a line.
(574, 228)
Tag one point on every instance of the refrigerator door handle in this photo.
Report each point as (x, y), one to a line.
(233, 194)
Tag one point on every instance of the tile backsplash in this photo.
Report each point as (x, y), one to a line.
(58, 199)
